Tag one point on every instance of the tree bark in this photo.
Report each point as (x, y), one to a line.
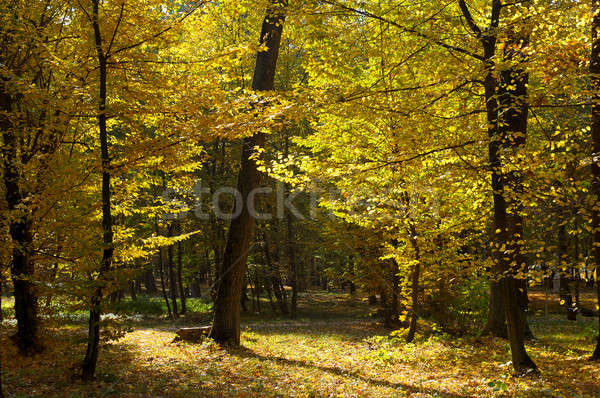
(414, 281)
(226, 323)
(172, 279)
(91, 355)
(161, 270)
(180, 277)
(150, 281)
(1, 373)
(595, 167)
(496, 322)
(291, 255)
(22, 267)
(275, 274)
(506, 112)
(132, 290)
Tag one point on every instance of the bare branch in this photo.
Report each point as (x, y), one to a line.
(469, 18)
(406, 29)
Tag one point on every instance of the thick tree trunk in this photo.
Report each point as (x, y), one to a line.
(508, 222)
(91, 355)
(22, 267)
(226, 323)
(1, 373)
(22, 271)
(506, 111)
(496, 322)
(595, 132)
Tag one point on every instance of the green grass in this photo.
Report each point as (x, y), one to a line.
(7, 307)
(156, 306)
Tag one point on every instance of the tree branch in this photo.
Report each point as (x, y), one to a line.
(469, 18)
(405, 29)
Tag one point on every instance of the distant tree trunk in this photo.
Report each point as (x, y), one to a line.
(172, 279)
(389, 319)
(132, 290)
(595, 132)
(565, 290)
(150, 281)
(575, 273)
(269, 290)
(257, 289)
(195, 290)
(180, 277)
(161, 269)
(414, 281)
(291, 255)
(91, 355)
(275, 276)
(395, 302)
(226, 323)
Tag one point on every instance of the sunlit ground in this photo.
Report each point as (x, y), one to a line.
(312, 357)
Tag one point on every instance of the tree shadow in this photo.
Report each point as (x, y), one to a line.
(245, 352)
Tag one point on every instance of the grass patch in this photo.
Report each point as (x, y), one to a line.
(156, 306)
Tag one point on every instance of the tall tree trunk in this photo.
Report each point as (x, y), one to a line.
(291, 255)
(414, 281)
(506, 111)
(226, 324)
(172, 279)
(565, 290)
(512, 129)
(22, 267)
(161, 270)
(595, 132)
(163, 283)
(91, 355)
(1, 373)
(180, 277)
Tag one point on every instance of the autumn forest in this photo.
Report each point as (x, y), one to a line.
(307, 198)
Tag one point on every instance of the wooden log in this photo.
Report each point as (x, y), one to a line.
(193, 335)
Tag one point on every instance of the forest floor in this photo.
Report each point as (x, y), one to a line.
(333, 350)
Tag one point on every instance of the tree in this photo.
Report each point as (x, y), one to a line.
(226, 323)
(91, 355)
(595, 167)
(35, 114)
(506, 110)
